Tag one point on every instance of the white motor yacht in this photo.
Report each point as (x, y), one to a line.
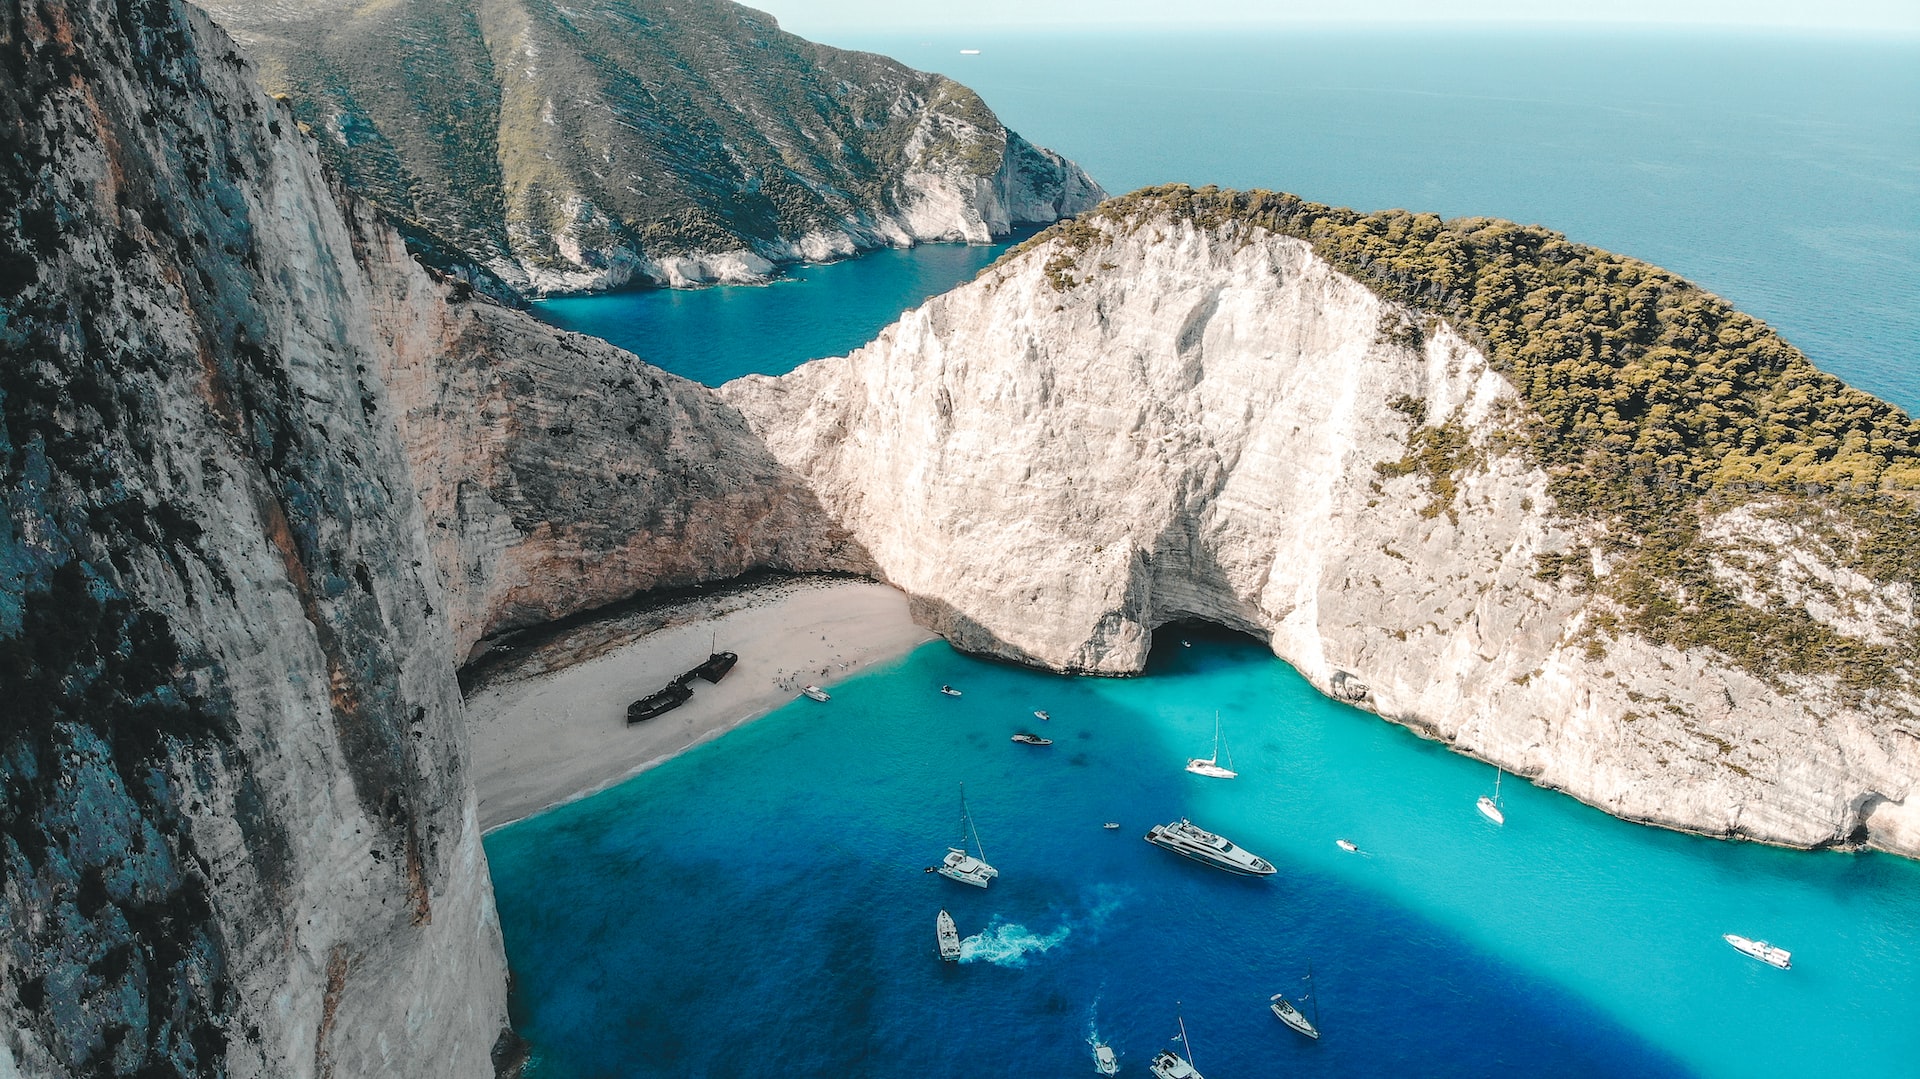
(1186, 839)
(949, 937)
(816, 693)
(1104, 1061)
(1761, 950)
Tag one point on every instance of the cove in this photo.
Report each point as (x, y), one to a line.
(759, 904)
(712, 335)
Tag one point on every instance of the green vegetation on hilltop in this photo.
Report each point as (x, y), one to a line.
(1652, 404)
(550, 136)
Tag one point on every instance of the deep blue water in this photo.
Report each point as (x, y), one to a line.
(758, 906)
(1782, 172)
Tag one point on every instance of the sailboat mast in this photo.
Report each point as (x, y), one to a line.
(967, 828)
(1184, 1043)
(1311, 995)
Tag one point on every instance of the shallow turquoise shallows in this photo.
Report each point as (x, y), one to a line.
(715, 334)
(758, 906)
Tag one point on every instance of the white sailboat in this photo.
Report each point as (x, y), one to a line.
(1167, 1064)
(1490, 807)
(1284, 1010)
(958, 864)
(1210, 766)
(949, 937)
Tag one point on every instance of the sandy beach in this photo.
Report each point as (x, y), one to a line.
(548, 733)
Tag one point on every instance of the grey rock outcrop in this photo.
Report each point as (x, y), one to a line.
(1060, 457)
(237, 834)
(571, 147)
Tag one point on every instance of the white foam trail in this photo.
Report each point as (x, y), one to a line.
(1008, 944)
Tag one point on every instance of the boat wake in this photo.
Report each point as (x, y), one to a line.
(1010, 944)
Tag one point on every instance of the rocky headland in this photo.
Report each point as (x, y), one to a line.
(571, 147)
(1671, 582)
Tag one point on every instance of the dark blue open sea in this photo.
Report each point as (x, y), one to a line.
(758, 906)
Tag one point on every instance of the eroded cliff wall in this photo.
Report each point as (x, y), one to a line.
(1167, 418)
(579, 146)
(237, 835)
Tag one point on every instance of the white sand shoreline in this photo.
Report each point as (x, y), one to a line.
(558, 736)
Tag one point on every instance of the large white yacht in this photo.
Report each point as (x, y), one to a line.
(1184, 838)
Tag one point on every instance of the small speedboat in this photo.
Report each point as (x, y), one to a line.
(1026, 739)
(950, 691)
(1347, 845)
(1761, 950)
(1104, 1061)
(1042, 716)
(816, 693)
(1112, 826)
(949, 937)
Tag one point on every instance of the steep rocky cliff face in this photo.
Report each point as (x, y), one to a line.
(580, 146)
(237, 834)
(1164, 412)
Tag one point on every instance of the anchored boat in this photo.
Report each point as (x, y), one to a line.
(1284, 1010)
(1167, 1064)
(1032, 739)
(1210, 766)
(1761, 950)
(816, 693)
(1490, 807)
(1186, 839)
(958, 864)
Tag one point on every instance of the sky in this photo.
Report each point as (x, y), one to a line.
(817, 16)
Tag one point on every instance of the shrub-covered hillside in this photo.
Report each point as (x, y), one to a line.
(1653, 405)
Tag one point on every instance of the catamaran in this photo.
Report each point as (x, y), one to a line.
(1284, 1010)
(1210, 766)
(1168, 1064)
(1185, 839)
(1761, 950)
(1490, 807)
(961, 866)
(949, 936)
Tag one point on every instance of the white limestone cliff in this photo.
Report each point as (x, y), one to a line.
(1190, 428)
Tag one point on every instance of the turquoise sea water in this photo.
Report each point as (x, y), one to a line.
(758, 906)
(1782, 172)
